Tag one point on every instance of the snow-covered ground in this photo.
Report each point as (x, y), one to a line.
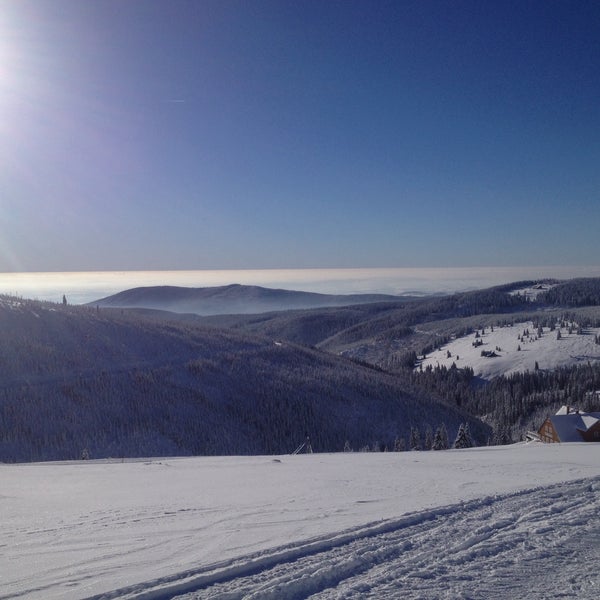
(532, 292)
(515, 351)
(499, 522)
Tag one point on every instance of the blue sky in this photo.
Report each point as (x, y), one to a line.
(273, 134)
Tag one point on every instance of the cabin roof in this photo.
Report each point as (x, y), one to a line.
(568, 426)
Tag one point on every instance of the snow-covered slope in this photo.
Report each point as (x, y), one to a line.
(483, 523)
(231, 299)
(517, 349)
(75, 379)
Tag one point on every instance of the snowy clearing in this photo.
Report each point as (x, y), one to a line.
(515, 352)
(532, 292)
(421, 524)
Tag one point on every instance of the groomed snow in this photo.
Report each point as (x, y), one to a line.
(548, 351)
(420, 524)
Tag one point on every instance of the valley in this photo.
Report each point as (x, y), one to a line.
(140, 382)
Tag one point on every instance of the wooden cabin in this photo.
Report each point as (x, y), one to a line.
(571, 425)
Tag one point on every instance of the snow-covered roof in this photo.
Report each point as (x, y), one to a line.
(568, 426)
(589, 420)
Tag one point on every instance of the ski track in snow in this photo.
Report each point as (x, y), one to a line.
(537, 543)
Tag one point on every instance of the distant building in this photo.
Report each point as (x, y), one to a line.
(571, 425)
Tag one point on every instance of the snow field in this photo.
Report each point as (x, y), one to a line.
(526, 544)
(339, 525)
(548, 351)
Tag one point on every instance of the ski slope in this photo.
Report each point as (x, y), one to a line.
(481, 523)
(515, 351)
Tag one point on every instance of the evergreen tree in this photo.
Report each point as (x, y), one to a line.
(463, 437)
(415, 439)
(468, 434)
(440, 439)
(444, 437)
(399, 445)
(428, 438)
(501, 436)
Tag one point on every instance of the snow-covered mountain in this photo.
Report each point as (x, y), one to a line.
(231, 299)
(503, 522)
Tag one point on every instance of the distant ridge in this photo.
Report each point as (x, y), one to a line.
(232, 299)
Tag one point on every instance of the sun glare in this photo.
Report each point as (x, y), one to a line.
(3, 55)
(17, 29)
(8, 55)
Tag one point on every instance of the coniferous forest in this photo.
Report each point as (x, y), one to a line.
(79, 381)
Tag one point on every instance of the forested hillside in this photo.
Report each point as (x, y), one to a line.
(347, 328)
(78, 381)
(576, 292)
(111, 382)
(392, 337)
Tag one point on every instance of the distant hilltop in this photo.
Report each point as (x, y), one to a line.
(232, 299)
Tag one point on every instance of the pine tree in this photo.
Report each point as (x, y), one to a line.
(378, 447)
(415, 439)
(444, 434)
(463, 437)
(468, 434)
(440, 439)
(501, 436)
(428, 438)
